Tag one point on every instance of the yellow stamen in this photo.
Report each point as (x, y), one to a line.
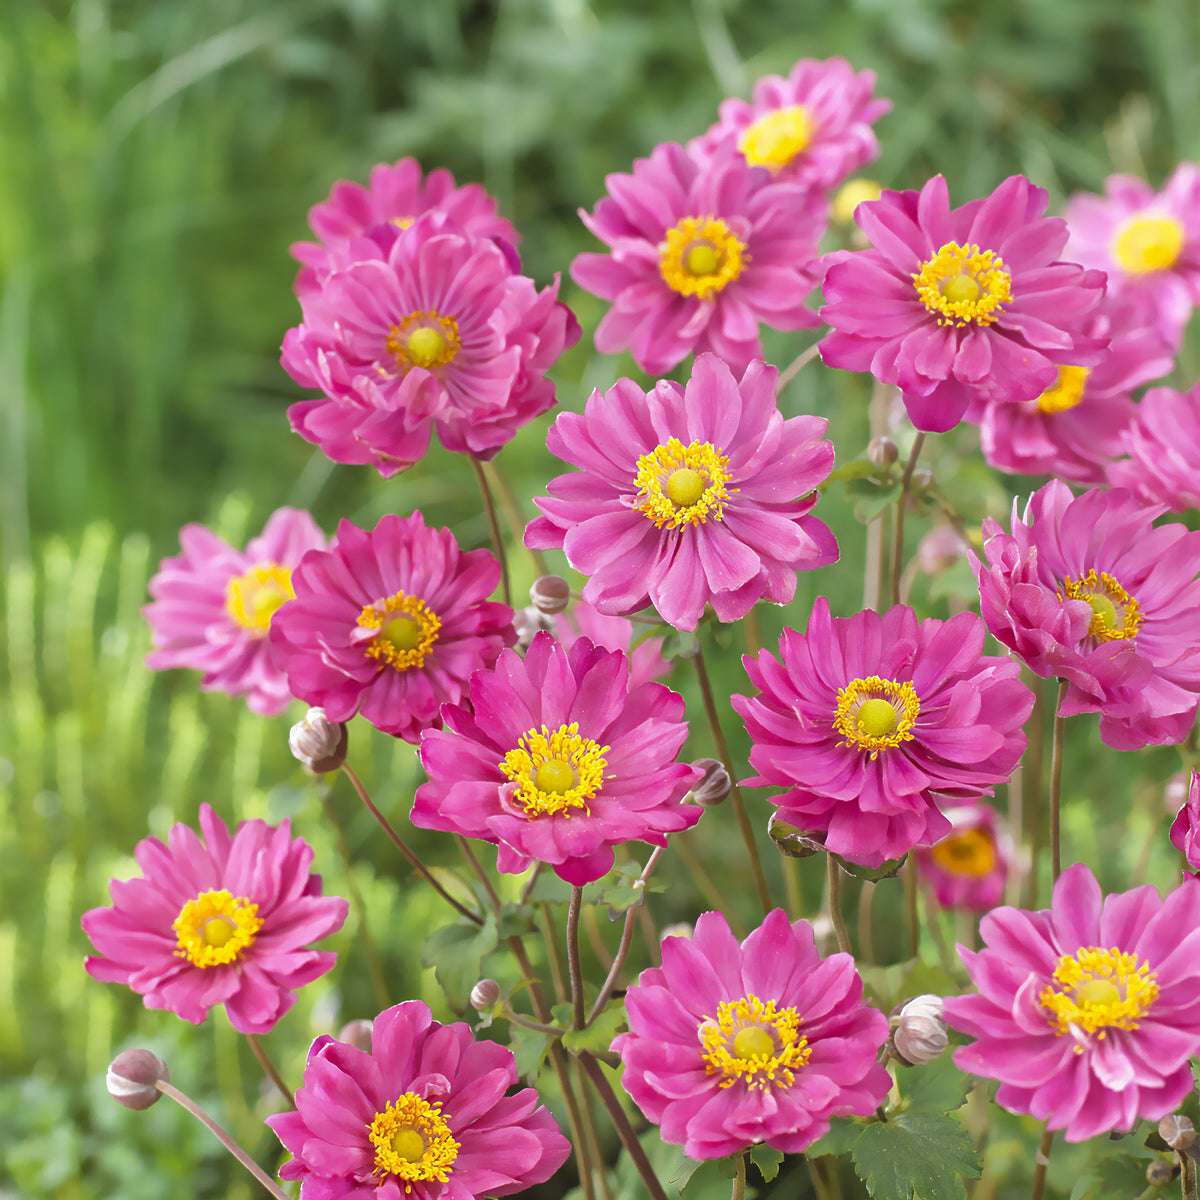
(404, 639)
(1066, 392)
(875, 714)
(1095, 990)
(963, 285)
(970, 853)
(754, 1042)
(682, 485)
(424, 339)
(1146, 242)
(215, 927)
(253, 598)
(556, 772)
(1116, 615)
(777, 137)
(700, 256)
(413, 1141)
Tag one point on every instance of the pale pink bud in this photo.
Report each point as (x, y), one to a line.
(715, 785)
(550, 594)
(918, 1031)
(132, 1076)
(319, 743)
(485, 995)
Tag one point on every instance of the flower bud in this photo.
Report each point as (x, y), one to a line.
(882, 451)
(791, 840)
(357, 1034)
(319, 743)
(1177, 1131)
(1161, 1172)
(918, 1032)
(715, 785)
(550, 594)
(485, 995)
(528, 623)
(132, 1076)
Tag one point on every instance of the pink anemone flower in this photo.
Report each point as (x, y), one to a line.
(700, 254)
(732, 1045)
(424, 1116)
(1087, 1012)
(1088, 590)
(1185, 829)
(969, 867)
(219, 920)
(1163, 444)
(556, 759)
(869, 722)
(688, 497)
(959, 305)
(646, 662)
(213, 607)
(391, 623)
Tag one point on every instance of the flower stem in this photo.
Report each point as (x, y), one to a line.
(465, 849)
(269, 1069)
(1187, 1168)
(835, 903)
(573, 955)
(739, 1180)
(547, 926)
(512, 512)
(1056, 757)
(910, 904)
(739, 805)
(186, 1103)
(796, 366)
(866, 940)
(897, 564)
(1040, 1163)
(489, 508)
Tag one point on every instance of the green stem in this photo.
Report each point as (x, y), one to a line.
(835, 904)
(573, 966)
(1040, 1163)
(897, 564)
(269, 1069)
(1056, 762)
(796, 366)
(739, 1180)
(464, 848)
(910, 906)
(489, 508)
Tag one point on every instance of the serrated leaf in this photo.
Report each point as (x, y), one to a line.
(916, 1156)
(767, 1159)
(599, 1034)
(454, 952)
(529, 1049)
(841, 1137)
(935, 1087)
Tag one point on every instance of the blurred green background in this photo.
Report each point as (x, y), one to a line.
(156, 159)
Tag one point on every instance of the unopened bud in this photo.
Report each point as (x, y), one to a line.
(1177, 1131)
(918, 1031)
(550, 594)
(528, 623)
(1161, 1171)
(793, 841)
(132, 1076)
(882, 451)
(715, 785)
(357, 1034)
(485, 995)
(319, 743)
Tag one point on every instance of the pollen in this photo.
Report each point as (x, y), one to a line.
(971, 853)
(777, 137)
(412, 1141)
(1095, 990)
(555, 772)
(1066, 392)
(700, 256)
(424, 339)
(682, 485)
(963, 285)
(252, 599)
(1147, 242)
(876, 714)
(1116, 615)
(407, 627)
(755, 1042)
(215, 927)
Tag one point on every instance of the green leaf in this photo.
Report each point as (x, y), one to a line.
(916, 1156)
(1118, 1176)
(454, 952)
(679, 643)
(599, 1035)
(621, 891)
(529, 1048)
(936, 1087)
(841, 1137)
(855, 469)
(885, 983)
(888, 870)
(767, 1159)
(709, 1177)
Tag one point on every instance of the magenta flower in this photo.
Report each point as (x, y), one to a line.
(213, 607)
(688, 497)
(646, 662)
(1148, 242)
(959, 305)
(424, 1116)
(392, 624)
(431, 328)
(1163, 444)
(556, 759)
(701, 253)
(396, 197)
(1087, 1012)
(813, 128)
(223, 920)
(969, 867)
(870, 721)
(1185, 829)
(731, 1045)
(1075, 428)
(1089, 591)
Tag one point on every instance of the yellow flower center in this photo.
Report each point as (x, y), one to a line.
(777, 137)
(251, 599)
(1116, 615)
(403, 222)
(971, 853)
(700, 256)
(875, 714)
(412, 1141)
(1095, 990)
(963, 284)
(1066, 392)
(682, 485)
(407, 630)
(556, 772)
(1145, 243)
(424, 339)
(851, 195)
(215, 927)
(754, 1042)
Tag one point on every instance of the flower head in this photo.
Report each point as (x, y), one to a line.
(1185, 829)
(687, 497)
(422, 1116)
(870, 721)
(1087, 1012)
(1163, 444)
(646, 662)
(813, 128)
(731, 1045)
(1090, 591)
(219, 920)
(213, 607)
(556, 759)
(969, 867)
(959, 305)
(701, 252)
(391, 623)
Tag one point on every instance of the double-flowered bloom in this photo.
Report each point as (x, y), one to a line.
(1087, 1012)
(729, 1045)
(424, 1116)
(869, 722)
(688, 497)
(221, 920)
(1163, 444)
(963, 305)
